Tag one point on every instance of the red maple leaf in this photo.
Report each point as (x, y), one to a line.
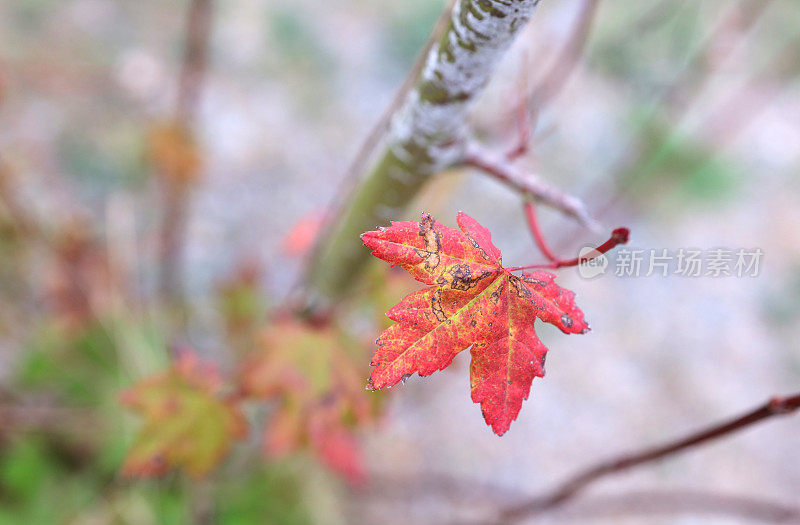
(321, 402)
(473, 301)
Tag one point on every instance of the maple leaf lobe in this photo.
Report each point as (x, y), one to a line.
(433, 253)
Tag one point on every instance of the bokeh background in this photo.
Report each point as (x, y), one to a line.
(680, 120)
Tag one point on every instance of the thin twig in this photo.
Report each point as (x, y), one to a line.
(195, 59)
(378, 131)
(453, 488)
(618, 236)
(671, 502)
(475, 497)
(176, 196)
(536, 232)
(577, 483)
(527, 185)
(526, 116)
(176, 206)
(732, 116)
(678, 99)
(551, 83)
(716, 47)
(556, 77)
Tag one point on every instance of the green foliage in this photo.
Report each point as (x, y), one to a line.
(679, 164)
(650, 64)
(296, 42)
(72, 474)
(264, 495)
(41, 481)
(24, 468)
(105, 162)
(81, 368)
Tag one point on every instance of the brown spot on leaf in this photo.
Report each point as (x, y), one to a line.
(460, 277)
(477, 246)
(433, 242)
(436, 305)
(497, 294)
(518, 288)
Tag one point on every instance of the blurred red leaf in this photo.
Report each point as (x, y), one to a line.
(321, 399)
(303, 234)
(473, 302)
(79, 284)
(335, 444)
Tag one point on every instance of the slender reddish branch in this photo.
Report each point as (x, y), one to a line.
(672, 502)
(685, 91)
(577, 483)
(475, 498)
(530, 187)
(533, 225)
(618, 236)
(503, 169)
(717, 46)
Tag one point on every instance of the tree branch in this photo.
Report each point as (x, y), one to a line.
(555, 78)
(474, 497)
(618, 236)
(530, 187)
(195, 59)
(427, 136)
(577, 483)
(378, 132)
(672, 502)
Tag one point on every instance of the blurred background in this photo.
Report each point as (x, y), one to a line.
(145, 203)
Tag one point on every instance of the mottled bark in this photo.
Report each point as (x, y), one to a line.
(427, 136)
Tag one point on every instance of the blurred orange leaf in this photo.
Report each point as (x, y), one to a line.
(174, 152)
(187, 422)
